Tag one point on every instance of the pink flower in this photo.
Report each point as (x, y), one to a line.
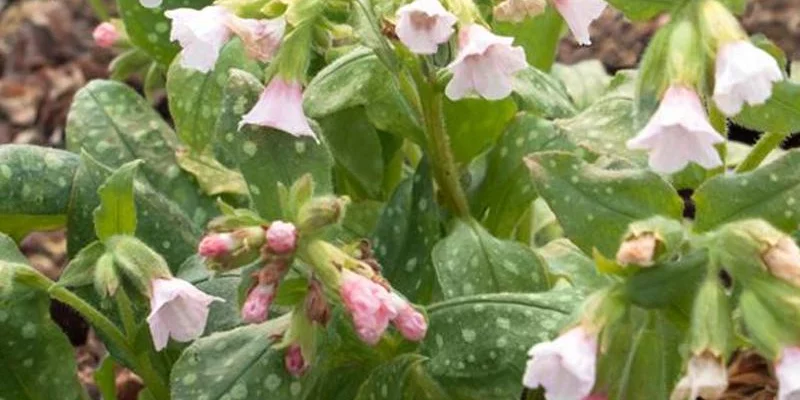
(281, 107)
(105, 35)
(679, 133)
(423, 25)
(706, 378)
(565, 367)
(485, 63)
(178, 310)
(256, 307)
(217, 245)
(409, 322)
(281, 237)
(370, 305)
(293, 360)
(201, 34)
(579, 14)
(744, 74)
(261, 37)
(787, 370)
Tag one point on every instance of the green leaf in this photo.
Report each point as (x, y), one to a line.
(360, 79)
(566, 260)
(213, 177)
(35, 183)
(161, 223)
(471, 261)
(149, 29)
(541, 94)
(237, 364)
(80, 270)
(539, 36)
(266, 156)
(770, 193)
(641, 10)
(356, 147)
(594, 205)
(116, 214)
(194, 97)
(110, 121)
(475, 124)
(38, 360)
(477, 345)
(642, 357)
(405, 235)
(780, 114)
(585, 81)
(506, 190)
(403, 378)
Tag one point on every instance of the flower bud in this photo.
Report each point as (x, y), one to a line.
(295, 363)
(137, 261)
(783, 260)
(409, 322)
(706, 378)
(651, 240)
(105, 35)
(370, 305)
(106, 280)
(229, 250)
(256, 306)
(517, 10)
(217, 245)
(637, 250)
(565, 367)
(787, 370)
(321, 212)
(281, 237)
(316, 306)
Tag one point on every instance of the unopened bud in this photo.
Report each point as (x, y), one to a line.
(106, 280)
(256, 306)
(217, 245)
(409, 322)
(105, 35)
(638, 250)
(295, 363)
(783, 260)
(281, 237)
(225, 251)
(316, 306)
(321, 212)
(517, 10)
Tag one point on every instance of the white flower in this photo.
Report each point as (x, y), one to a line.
(178, 310)
(150, 3)
(281, 107)
(678, 133)
(261, 37)
(485, 63)
(201, 34)
(565, 367)
(744, 74)
(423, 25)
(579, 14)
(706, 378)
(787, 370)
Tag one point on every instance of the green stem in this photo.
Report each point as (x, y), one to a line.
(720, 123)
(768, 142)
(443, 163)
(99, 9)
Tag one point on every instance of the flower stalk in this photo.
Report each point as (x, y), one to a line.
(768, 142)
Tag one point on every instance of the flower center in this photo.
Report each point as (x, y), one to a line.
(422, 20)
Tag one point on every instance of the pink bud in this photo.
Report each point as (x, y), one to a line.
(281, 107)
(370, 305)
(409, 322)
(216, 245)
(281, 237)
(105, 35)
(256, 306)
(295, 363)
(565, 367)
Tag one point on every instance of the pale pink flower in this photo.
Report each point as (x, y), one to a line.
(787, 370)
(281, 107)
(744, 74)
(281, 237)
(565, 367)
(293, 360)
(177, 310)
(261, 37)
(150, 3)
(201, 34)
(217, 245)
(370, 305)
(423, 25)
(579, 14)
(679, 133)
(105, 35)
(485, 64)
(409, 322)
(256, 307)
(706, 378)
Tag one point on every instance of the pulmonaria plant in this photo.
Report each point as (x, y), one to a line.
(378, 199)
